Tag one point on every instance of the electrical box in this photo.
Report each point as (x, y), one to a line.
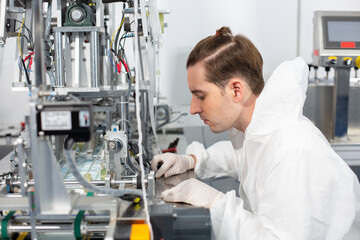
(72, 119)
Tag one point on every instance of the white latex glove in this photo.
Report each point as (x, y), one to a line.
(171, 164)
(193, 192)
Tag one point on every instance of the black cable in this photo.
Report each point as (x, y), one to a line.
(124, 37)
(118, 32)
(29, 32)
(27, 75)
(27, 39)
(123, 45)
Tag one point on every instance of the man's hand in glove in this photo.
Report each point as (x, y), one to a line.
(193, 192)
(169, 164)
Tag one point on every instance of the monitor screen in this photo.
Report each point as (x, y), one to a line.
(341, 32)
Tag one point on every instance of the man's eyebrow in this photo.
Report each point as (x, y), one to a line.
(197, 91)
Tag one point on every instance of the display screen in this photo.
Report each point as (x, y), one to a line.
(343, 31)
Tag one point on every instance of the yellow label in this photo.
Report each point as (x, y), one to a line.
(140, 232)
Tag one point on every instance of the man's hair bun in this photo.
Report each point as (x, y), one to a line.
(224, 31)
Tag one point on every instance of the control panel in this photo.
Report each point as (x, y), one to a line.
(336, 39)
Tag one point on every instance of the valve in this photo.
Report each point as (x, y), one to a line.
(332, 60)
(347, 61)
(327, 70)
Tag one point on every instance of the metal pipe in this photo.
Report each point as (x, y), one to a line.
(56, 228)
(108, 120)
(59, 59)
(79, 38)
(94, 182)
(95, 63)
(298, 28)
(22, 166)
(70, 219)
(123, 113)
(38, 43)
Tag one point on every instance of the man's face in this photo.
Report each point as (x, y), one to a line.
(213, 104)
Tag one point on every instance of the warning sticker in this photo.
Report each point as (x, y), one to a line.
(84, 119)
(56, 120)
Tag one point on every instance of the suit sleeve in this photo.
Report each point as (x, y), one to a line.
(216, 161)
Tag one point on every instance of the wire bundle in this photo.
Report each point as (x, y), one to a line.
(21, 60)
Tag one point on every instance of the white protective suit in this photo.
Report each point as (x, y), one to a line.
(293, 185)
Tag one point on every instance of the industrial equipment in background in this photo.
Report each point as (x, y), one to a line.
(81, 167)
(332, 103)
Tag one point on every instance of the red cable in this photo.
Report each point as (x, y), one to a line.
(30, 63)
(118, 66)
(27, 57)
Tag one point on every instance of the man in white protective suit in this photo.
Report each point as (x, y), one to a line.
(292, 184)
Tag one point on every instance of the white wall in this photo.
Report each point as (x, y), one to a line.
(190, 21)
(307, 9)
(271, 25)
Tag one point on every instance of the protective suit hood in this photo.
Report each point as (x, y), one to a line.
(282, 98)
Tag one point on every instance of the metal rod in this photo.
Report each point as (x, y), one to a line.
(59, 60)
(108, 120)
(123, 114)
(94, 182)
(38, 43)
(95, 63)
(78, 72)
(56, 228)
(70, 219)
(32, 215)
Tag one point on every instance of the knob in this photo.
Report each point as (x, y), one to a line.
(332, 60)
(347, 61)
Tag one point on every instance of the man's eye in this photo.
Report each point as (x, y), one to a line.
(202, 97)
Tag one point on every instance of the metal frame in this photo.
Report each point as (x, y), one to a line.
(46, 197)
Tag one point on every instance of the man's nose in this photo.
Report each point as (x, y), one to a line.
(194, 107)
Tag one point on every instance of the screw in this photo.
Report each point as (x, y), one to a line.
(112, 146)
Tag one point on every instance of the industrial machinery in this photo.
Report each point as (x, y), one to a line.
(81, 167)
(332, 104)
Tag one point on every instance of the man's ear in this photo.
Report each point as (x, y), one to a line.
(237, 89)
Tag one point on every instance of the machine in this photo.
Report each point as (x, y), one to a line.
(81, 167)
(332, 103)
